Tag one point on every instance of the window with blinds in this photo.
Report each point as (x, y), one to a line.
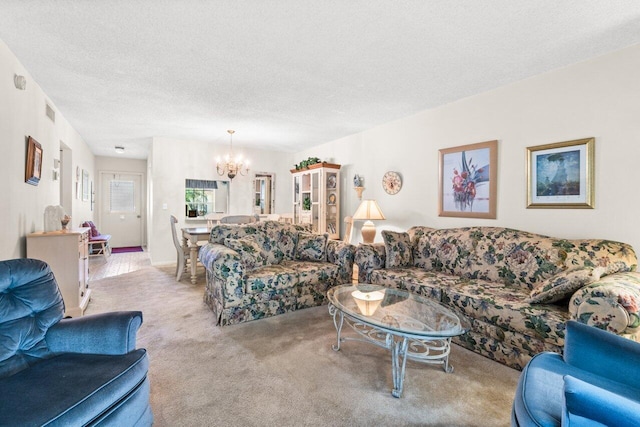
(122, 196)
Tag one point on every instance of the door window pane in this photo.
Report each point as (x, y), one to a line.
(121, 196)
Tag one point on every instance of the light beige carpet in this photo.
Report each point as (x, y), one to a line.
(281, 371)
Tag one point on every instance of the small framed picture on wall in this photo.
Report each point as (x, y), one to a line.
(85, 185)
(33, 168)
(561, 175)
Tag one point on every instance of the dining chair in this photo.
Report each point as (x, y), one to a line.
(270, 217)
(183, 252)
(239, 219)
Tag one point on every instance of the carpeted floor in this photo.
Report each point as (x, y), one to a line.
(282, 371)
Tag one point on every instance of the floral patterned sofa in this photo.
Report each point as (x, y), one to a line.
(267, 268)
(518, 289)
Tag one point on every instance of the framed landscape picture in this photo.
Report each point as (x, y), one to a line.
(468, 180)
(561, 175)
(33, 168)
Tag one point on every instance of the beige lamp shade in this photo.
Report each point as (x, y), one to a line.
(368, 210)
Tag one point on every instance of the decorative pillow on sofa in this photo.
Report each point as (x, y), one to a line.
(399, 249)
(311, 247)
(561, 286)
(249, 250)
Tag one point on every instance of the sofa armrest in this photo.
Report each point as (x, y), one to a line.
(610, 303)
(341, 254)
(105, 333)
(369, 257)
(225, 264)
(588, 405)
(601, 353)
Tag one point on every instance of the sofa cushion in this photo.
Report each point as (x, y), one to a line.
(310, 272)
(311, 247)
(270, 277)
(84, 386)
(560, 286)
(251, 254)
(505, 306)
(416, 280)
(399, 249)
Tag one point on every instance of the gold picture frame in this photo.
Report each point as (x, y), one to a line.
(33, 167)
(561, 175)
(468, 180)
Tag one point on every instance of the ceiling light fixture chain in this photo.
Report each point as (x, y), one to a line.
(232, 166)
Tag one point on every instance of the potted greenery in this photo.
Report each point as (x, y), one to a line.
(306, 163)
(306, 203)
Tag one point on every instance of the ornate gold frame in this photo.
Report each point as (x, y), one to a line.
(492, 155)
(586, 198)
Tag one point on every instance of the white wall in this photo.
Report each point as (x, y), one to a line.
(22, 113)
(172, 161)
(597, 98)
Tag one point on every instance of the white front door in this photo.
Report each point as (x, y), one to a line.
(121, 208)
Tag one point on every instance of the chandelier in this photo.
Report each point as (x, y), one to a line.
(232, 165)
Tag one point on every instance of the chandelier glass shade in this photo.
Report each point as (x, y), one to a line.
(232, 165)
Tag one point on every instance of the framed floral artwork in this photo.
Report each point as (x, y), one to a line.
(33, 168)
(468, 180)
(561, 175)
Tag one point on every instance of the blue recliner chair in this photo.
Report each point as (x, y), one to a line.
(595, 383)
(66, 372)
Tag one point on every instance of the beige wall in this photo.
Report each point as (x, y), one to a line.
(598, 98)
(22, 113)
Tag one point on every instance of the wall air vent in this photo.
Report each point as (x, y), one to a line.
(51, 114)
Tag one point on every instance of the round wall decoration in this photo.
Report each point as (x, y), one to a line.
(391, 182)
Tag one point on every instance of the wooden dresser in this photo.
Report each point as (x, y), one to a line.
(67, 253)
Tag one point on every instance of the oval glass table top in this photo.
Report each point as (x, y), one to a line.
(397, 310)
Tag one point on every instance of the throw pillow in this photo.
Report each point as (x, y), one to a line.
(311, 247)
(399, 249)
(561, 286)
(94, 230)
(250, 252)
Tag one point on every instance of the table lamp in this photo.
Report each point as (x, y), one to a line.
(368, 210)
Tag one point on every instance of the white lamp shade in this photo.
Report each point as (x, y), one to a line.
(368, 209)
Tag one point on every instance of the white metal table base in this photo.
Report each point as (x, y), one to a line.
(403, 346)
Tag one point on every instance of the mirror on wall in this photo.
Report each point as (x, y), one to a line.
(203, 197)
(264, 193)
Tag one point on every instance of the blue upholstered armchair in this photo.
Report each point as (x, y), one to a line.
(55, 371)
(595, 383)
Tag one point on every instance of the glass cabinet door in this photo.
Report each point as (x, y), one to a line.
(331, 220)
(296, 199)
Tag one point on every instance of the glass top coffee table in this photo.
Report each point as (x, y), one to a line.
(411, 326)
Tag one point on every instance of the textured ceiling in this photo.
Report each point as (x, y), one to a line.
(289, 74)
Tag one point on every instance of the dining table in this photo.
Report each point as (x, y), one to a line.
(190, 238)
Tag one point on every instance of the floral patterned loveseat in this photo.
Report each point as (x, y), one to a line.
(266, 268)
(518, 289)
